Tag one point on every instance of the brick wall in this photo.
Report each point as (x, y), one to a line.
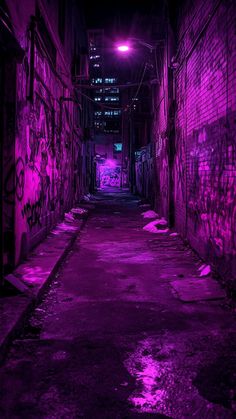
(204, 166)
(41, 181)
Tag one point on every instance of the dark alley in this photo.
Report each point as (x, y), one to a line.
(118, 209)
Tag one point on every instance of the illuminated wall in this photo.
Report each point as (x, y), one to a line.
(195, 134)
(43, 151)
(205, 166)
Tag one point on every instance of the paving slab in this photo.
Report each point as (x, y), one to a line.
(194, 289)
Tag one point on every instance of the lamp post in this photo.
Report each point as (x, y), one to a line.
(130, 135)
(126, 46)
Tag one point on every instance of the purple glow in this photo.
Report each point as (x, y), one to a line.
(110, 163)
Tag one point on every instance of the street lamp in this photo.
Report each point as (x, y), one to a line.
(126, 46)
(126, 49)
(123, 48)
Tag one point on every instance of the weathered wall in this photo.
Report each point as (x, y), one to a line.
(144, 172)
(47, 139)
(205, 186)
(162, 126)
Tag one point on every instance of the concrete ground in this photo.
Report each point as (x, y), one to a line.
(112, 340)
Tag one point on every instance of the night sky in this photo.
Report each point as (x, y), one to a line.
(120, 21)
(118, 17)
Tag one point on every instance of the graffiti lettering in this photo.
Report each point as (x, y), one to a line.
(14, 182)
(110, 176)
(33, 212)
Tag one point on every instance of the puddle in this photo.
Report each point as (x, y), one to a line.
(150, 395)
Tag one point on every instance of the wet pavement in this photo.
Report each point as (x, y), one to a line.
(112, 340)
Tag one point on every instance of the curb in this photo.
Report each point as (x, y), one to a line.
(27, 303)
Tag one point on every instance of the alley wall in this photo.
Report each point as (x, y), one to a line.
(43, 137)
(205, 171)
(194, 131)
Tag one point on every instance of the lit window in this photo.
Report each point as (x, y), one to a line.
(110, 80)
(94, 57)
(97, 113)
(97, 99)
(111, 98)
(112, 113)
(111, 90)
(96, 65)
(97, 81)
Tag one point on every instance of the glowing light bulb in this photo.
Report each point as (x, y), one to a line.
(123, 48)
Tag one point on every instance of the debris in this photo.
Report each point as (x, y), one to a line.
(79, 211)
(206, 270)
(62, 227)
(86, 198)
(165, 230)
(75, 213)
(149, 214)
(162, 222)
(69, 217)
(155, 226)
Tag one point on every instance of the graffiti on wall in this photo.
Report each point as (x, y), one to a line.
(40, 191)
(109, 176)
(144, 172)
(180, 167)
(212, 190)
(14, 182)
(13, 171)
(37, 178)
(32, 213)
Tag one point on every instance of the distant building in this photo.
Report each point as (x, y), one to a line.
(107, 103)
(107, 116)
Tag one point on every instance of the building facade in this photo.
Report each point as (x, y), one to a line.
(43, 123)
(106, 96)
(194, 135)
